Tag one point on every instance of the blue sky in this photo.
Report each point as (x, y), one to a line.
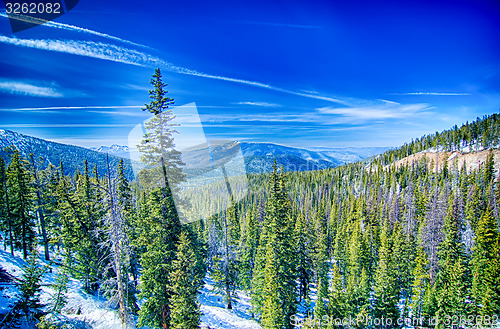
(304, 74)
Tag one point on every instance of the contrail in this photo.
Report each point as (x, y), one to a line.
(68, 27)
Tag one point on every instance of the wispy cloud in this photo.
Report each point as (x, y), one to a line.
(68, 27)
(65, 125)
(262, 104)
(89, 49)
(28, 89)
(423, 93)
(269, 117)
(391, 110)
(61, 109)
(300, 26)
(124, 55)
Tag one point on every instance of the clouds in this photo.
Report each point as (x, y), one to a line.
(422, 93)
(387, 110)
(111, 52)
(299, 26)
(67, 27)
(29, 89)
(261, 104)
(92, 49)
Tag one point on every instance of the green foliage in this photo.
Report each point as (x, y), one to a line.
(452, 279)
(421, 280)
(30, 287)
(479, 133)
(184, 287)
(248, 249)
(158, 234)
(376, 239)
(59, 298)
(485, 270)
(272, 315)
(225, 268)
(158, 147)
(385, 288)
(21, 206)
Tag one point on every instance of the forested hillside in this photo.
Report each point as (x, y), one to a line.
(365, 245)
(47, 153)
(479, 134)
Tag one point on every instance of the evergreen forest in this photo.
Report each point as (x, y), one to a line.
(363, 245)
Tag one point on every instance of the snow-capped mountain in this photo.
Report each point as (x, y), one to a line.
(117, 150)
(47, 152)
(259, 157)
(350, 154)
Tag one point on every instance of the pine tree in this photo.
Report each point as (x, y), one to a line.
(385, 292)
(30, 287)
(225, 269)
(117, 242)
(489, 169)
(40, 209)
(421, 280)
(158, 147)
(337, 303)
(159, 230)
(321, 309)
(277, 239)
(485, 269)
(185, 308)
(59, 299)
(158, 235)
(303, 259)
(85, 211)
(451, 282)
(128, 214)
(272, 315)
(20, 202)
(248, 249)
(5, 209)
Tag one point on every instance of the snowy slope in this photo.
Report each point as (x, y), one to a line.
(83, 309)
(89, 311)
(116, 150)
(47, 152)
(216, 316)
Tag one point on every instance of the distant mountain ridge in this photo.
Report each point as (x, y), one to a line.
(72, 157)
(117, 150)
(259, 157)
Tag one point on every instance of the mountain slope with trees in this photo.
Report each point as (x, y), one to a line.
(364, 245)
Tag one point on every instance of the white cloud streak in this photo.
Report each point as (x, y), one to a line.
(65, 125)
(261, 104)
(28, 89)
(119, 54)
(64, 108)
(422, 93)
(300, 26)
(390, 110)
(68, 27)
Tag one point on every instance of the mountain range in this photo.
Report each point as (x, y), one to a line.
(51, 153)
(258, 157)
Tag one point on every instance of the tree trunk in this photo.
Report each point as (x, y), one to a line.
(115, 240)
(41, 216)
(9, 218)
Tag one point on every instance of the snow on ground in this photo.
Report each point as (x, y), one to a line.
(86, 310)
(216, 316)
(90, 311)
